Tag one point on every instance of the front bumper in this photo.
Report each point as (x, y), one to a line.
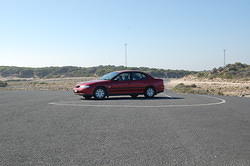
(83, 91)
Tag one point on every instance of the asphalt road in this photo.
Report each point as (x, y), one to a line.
(58, 128)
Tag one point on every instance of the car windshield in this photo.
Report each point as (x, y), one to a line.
(109, 76)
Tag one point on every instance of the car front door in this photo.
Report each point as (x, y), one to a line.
(121, 84)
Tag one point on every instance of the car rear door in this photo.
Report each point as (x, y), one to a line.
(138, 82)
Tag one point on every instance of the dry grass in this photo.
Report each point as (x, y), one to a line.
(215, 86)
(44, 84)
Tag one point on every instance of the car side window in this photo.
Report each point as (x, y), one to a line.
(123, 77)
(138, 76)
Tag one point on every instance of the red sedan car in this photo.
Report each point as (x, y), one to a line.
(126, 82)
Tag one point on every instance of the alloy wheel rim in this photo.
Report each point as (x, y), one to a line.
(150, 92)
(99, 93)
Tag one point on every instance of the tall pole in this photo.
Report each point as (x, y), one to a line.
(126, 52)
(224, 57)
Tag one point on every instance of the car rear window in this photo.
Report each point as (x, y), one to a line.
(138, 76)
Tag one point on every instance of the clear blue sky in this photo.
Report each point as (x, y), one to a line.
(175, 34)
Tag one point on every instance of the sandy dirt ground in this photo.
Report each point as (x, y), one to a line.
(215, 86)
(44, 84)
(225, 87)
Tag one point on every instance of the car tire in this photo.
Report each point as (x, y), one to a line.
(100, 93)
(149, 92)
(134, 96)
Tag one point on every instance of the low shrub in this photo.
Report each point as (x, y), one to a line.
(194, 89)
(39, 83)
(182, 88)
(3, 84)
(193, 86)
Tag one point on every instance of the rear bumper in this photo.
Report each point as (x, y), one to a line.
(160, 89)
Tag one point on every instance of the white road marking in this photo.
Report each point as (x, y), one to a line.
(221, 101)
(167, 95)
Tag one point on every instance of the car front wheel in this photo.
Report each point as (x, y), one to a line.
(149, 93)
(100, 93)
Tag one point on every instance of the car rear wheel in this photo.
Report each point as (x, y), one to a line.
(100, 93)
(149, 93)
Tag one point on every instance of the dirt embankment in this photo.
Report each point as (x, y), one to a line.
(229, 87)
(204, 86)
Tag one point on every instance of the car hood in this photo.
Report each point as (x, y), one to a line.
(92, 82)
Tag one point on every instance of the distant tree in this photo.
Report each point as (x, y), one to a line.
(214, 71)
(71, 71)
(26, 73)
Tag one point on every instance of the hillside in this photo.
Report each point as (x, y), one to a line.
(230, 71)
(233, 80)
(71, 71)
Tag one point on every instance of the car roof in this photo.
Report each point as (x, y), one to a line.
(122, 71)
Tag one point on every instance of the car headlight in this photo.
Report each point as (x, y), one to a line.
(84, 86)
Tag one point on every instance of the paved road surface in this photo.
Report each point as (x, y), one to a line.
(58, 128)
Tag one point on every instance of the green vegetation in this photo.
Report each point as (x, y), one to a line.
(230, 71)
(71, 71)
(39, 83)
(3, 84)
